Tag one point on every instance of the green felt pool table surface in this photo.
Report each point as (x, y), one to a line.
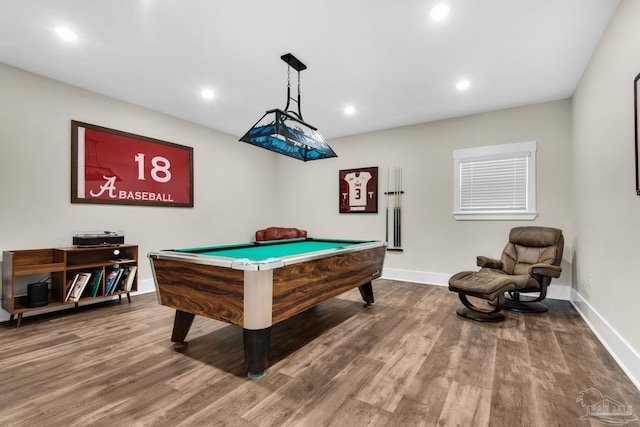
(273, 249)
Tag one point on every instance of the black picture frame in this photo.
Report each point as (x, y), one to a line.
(636, 120)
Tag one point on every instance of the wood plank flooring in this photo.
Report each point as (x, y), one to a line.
(408, 360)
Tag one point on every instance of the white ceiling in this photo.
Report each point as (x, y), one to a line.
(387, 58)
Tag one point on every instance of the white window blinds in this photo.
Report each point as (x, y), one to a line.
(495, 182)
(499, 184)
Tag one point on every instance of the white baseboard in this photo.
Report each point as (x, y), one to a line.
(619, 349)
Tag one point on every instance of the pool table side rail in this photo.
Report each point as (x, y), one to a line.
(300, 286)
(202, 289)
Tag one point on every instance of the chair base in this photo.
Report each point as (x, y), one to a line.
(524, 307)
(479, 316)
(473, 312)
(520, 304)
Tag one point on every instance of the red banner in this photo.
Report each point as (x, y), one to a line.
(117, 167)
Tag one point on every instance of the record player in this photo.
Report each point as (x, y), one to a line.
(98, 238)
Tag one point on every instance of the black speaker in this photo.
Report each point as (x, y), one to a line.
(37, 294)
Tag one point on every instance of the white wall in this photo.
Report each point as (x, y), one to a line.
(606, 208)
(435, 245)
(233, 192)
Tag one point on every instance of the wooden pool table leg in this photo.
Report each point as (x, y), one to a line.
(181, 326)
(366, 291)
(256, 351)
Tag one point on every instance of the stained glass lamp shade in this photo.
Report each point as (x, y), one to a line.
(285, 132)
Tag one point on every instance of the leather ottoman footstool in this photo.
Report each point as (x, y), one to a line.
(484, 285)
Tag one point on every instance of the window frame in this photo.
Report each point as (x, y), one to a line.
(494, 152)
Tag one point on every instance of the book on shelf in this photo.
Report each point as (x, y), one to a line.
(80, 283)
(116, 286)
(108, 281)
(70, 285)
(131, 275)
(122, 280)
(91, 290)
(112, 280)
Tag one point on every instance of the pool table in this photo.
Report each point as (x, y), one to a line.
(255, 285)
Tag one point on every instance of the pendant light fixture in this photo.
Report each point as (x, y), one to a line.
(285, 131)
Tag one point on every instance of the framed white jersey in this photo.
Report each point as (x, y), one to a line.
(359, 190)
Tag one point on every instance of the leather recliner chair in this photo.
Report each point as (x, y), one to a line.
(529, 261)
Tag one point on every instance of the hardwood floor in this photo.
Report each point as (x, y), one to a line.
(408, 360)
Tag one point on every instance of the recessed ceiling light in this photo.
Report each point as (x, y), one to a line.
(439, 12)
(66, 33)
(349, 110)
(207, 94)
(463, 84)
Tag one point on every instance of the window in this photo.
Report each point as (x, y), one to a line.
(497, 182)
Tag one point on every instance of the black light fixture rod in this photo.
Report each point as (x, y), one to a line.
(293, 62)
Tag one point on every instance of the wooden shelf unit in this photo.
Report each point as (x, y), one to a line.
(61, 264)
